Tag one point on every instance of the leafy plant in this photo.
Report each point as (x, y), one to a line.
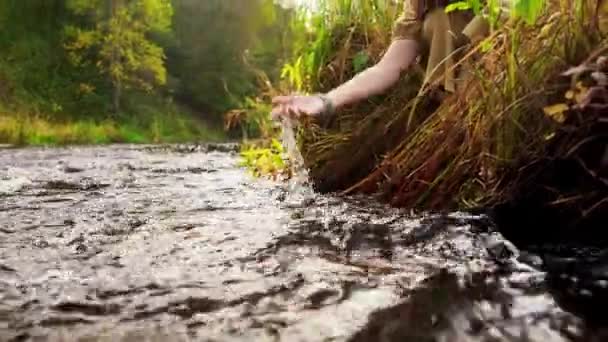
(529, 10)
(116, 35)
(264, 160)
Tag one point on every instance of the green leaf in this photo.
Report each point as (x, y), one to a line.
(458, 6)
(486, 45)
(360, 61)
(529, 10)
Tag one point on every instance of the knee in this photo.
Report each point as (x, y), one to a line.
(436, 16)
(477, 29)
(436, 20)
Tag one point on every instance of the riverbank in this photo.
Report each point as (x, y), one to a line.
(24, 130)
(525, 130)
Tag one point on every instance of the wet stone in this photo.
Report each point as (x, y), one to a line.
(40, 243)
(6, 268)
(71, 169)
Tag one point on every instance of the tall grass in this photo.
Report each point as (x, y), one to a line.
(330, 43)
(453, 155)
(458, 155)
(337, 30)
(149, 126)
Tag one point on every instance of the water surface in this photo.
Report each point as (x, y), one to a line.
(177, 243)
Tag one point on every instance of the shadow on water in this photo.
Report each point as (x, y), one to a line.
(551, 292)
(446, 309)
(502, 304)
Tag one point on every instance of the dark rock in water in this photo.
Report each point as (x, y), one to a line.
(71, 169)
(84, 184)
(498, 247)
(61, 185)
(531, 259)
(225, 148)
(76, 240)
(7, 268)
(89, 309)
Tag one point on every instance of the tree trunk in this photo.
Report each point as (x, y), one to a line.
(116, 97)
(116, 93)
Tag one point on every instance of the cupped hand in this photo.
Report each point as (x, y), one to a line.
(296, 105)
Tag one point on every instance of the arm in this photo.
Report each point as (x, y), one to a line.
(378, 78)
(399, 56)
(374, 80)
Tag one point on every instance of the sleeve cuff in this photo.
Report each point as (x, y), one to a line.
(408, 25)
(406, 28)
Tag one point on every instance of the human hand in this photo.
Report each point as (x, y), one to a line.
(297, 105)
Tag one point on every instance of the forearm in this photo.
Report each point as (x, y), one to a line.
(378, 78)
(372, 81)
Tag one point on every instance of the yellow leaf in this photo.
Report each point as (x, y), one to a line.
(556, 111)
(580, 97)
(581, 87)
(546, 30)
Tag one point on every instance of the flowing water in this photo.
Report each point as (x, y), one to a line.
(176, 243)
(299, 180)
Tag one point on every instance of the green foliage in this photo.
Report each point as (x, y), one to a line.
(114, 39)
(317, 32)
(264, 160)
(63, 62)
(360, 61)
(529, 10)
(169, 125)
(253, 118)
(216, 45)
(34, 72)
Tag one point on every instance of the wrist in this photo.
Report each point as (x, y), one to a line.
(329, 106)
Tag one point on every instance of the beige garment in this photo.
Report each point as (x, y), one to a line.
(441, 36)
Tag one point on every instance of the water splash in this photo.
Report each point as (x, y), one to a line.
(300, 181)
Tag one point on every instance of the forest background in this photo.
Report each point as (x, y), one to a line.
(103, 71)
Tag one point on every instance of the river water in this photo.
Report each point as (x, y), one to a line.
(177, 243)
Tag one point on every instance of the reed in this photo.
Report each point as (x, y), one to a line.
(418, 153)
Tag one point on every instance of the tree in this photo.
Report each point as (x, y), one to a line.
(216, 42)
(113, 36)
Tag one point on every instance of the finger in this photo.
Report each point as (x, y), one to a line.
(282, 99)
(294, 111)
(278, 112)
(275, 113)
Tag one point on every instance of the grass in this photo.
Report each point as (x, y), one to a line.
(44, 100)
(23, 129)
(457, 154)
(457, 157)
(328, 47)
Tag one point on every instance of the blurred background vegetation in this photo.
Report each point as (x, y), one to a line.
(100, 71)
